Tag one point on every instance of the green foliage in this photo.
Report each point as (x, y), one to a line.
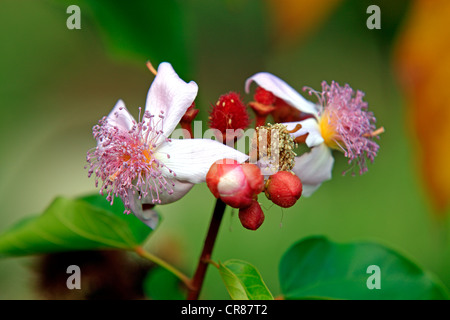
(243, 281)
(74, 224)
(160, 284)
(139, 230)
(319, 268)
(143, 30)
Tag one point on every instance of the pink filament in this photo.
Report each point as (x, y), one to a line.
(123, 160)
(353, 123)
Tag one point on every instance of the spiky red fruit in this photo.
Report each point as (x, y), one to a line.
(237, 185)
(229, 113)
(284, 189)
(251, 217)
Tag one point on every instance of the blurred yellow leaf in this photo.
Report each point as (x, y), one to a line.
(422, 58)
(294, 19)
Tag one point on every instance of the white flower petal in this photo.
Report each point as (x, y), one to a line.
(120, 117)
(308, 190)
(190, 159)
(170, 95)
(309, 126)
(149, 217)
(281, 90)
(314, 167)
(179, 188)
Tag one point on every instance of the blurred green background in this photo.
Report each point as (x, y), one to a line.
(57, 83)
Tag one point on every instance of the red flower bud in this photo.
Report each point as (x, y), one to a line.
(237, 185)
(263, 105)
(284, 189)
(264, 97)
(251, 217)
(186, 120)
(286, 113)
(254, 177)
(261, 112)
(190, 113)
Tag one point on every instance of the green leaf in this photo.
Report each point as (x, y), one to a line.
(139, 230)
(243, 281)
(319, 268)
(160, 284)
(72, 224)
(144, 30)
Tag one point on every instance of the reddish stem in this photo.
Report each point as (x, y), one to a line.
(199, 276)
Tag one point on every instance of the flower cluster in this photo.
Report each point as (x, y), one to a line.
(340, 121)
(139, 162)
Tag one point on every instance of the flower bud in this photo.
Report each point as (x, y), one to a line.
(262, 111)
(264, 97)
(236, 184)
(255, 179)
(284, 189)
(263, 105)
(251, 217)
(186, 120)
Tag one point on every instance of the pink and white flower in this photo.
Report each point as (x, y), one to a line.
(340, 121)
(138, 162)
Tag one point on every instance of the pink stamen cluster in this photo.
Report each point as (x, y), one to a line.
(352, 122)
(123, 160)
